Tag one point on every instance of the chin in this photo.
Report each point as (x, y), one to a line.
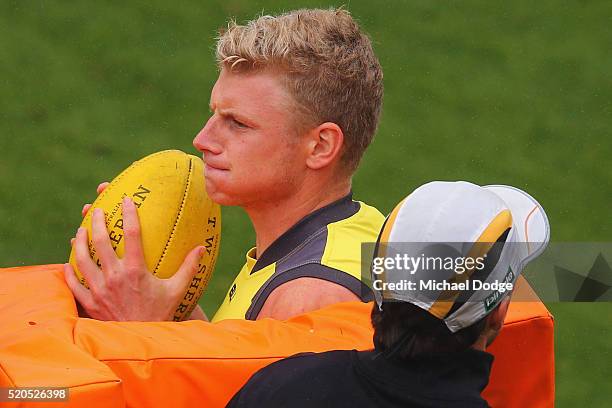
(224, 200)
(225, 192)
(221, 197)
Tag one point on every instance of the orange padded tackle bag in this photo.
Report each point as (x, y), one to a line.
(140, 364)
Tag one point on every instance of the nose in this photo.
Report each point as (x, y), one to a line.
(206, 140)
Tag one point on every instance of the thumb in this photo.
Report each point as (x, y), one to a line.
(188, 269)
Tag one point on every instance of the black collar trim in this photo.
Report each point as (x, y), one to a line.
(299, 232)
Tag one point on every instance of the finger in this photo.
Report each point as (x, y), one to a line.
(99, 236)
(134, 254)
(81, 294)
(85, 208)
(86, 265)
(102, 186)
(188, 269)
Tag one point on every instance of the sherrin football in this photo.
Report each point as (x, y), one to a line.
(175, 214)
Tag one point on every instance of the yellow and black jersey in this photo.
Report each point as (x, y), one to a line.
(325, 244)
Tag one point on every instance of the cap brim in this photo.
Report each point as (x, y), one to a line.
(528, 217)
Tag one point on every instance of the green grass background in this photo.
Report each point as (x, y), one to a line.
(491, 92)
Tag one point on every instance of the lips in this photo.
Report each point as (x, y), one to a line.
(211, 166)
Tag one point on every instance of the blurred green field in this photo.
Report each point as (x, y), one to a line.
(491, 92)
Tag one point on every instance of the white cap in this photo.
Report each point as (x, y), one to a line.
(500, 227)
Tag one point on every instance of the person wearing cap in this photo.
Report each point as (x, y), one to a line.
(432, 325)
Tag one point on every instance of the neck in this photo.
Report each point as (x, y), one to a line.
(273, 218)
(480, 344)
(486, 338)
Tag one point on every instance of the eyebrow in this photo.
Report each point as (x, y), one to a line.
(237, 116)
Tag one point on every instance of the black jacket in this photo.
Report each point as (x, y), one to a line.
(369, 379)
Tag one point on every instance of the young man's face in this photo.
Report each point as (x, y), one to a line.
(250, 145)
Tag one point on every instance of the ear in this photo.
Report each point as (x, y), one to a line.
(324, 145)
(497, 317)
(494, 324)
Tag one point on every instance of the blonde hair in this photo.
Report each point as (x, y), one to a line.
(327, 64)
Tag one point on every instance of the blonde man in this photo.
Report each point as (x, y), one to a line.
(294, 108)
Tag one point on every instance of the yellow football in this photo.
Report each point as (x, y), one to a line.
(175, 214)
